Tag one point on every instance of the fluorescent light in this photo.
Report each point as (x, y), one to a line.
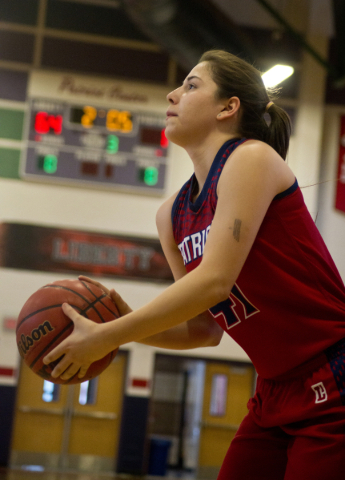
(276, 75)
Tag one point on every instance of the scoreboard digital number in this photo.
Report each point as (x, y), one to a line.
(87, 145)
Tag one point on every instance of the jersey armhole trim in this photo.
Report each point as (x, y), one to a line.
(288, 191)
(183, 191)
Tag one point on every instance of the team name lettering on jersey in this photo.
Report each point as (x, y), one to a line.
(192, 246)
(237, 307)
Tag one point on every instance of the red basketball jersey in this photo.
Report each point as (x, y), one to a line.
(288, 303)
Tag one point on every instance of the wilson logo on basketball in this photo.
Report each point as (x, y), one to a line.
(27, 341)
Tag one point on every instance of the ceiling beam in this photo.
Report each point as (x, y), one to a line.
(187, 28)
(331, 69)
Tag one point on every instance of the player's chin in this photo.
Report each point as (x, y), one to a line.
(169, 131)
(175, 135)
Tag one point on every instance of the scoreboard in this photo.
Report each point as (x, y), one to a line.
(88, 136)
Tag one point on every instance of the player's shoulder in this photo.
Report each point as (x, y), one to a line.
(258, 156)
(254, 150)
(258, 162)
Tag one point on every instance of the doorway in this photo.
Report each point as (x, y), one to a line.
(69, 426)
(228, 387)
(197, 405)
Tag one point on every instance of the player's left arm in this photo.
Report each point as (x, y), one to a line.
(251, 178)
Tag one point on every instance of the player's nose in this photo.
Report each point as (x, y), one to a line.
(172, 97)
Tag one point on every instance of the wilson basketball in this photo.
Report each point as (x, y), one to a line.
(42, 325)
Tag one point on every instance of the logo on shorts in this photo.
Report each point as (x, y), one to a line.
(320, 392)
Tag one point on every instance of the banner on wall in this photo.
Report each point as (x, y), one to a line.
(32, 247)
(340, 193)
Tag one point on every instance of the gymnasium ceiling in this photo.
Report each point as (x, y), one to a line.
(186, 28)
(263, 32)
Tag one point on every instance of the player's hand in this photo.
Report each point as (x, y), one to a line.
(121, 305)
(83, 346)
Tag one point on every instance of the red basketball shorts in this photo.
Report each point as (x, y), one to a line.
(295, 428)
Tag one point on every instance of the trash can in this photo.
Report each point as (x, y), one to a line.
(158, 460)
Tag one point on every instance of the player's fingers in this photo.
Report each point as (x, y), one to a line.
(122, 306)
(59, 350)
(55, 354)
(83, 278)
(82, 371)
(70, 372)
(70, 312)
(61, 368)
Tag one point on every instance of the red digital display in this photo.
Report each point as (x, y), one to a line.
(45, 123)
(96, 145)
(164, 140)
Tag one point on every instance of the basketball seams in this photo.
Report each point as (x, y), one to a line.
(90, 304)
(42, 352)
(55, 338)
(94, 305)
(36, 312)
(110, 310)
(89, 289)
(99, 298)
(68, 290)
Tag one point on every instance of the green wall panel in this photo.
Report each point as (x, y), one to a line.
(11, 124)
(9, 162)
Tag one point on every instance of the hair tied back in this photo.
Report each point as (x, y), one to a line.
(268, 106)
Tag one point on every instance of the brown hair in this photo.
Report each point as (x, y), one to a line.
(237, 78)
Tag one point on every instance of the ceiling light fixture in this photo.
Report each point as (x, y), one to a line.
(276, 74)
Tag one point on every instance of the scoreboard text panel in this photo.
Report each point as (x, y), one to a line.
(86, 144)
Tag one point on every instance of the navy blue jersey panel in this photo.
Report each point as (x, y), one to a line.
(222, 155)
(336, 358)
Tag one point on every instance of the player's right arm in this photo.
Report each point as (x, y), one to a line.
(200, 331)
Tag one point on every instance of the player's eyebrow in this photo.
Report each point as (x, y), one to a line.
(191, 78)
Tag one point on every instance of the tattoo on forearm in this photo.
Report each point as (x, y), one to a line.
(236, 229)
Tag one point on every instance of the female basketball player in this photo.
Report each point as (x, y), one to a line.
(264, 276)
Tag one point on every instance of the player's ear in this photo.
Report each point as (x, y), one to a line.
(231, 107)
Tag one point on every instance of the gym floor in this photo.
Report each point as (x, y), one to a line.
(9, 474)
(17, 474)
(14, 474)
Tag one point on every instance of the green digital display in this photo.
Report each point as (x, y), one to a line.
(48, 163)
(149, 176)
(112, 144)
(93, 145)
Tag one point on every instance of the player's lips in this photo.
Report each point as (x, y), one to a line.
(171, 114)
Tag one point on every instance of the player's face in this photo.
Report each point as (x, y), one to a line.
(193, 108)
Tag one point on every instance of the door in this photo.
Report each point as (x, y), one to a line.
(226, 393)
(75, 426)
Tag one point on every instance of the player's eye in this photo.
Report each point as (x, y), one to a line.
(191, 86)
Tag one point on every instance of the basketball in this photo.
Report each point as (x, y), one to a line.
(42, 325)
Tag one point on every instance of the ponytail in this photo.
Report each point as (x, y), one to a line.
(279, 130)
(235, 77)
